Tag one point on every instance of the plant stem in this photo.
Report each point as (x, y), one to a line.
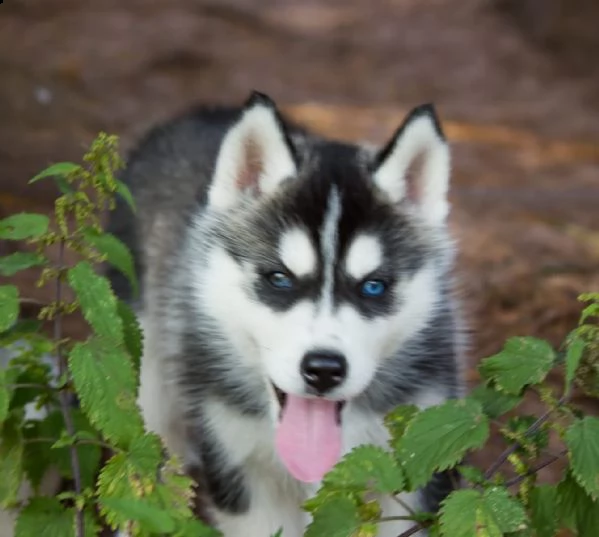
(62, 394)
(403, 504)
(411, 531)
(531, 430)
(83, 442)
(535, 469)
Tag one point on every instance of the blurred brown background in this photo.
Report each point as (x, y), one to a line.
(516, 83)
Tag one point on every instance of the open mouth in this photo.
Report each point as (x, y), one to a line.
(282, 398)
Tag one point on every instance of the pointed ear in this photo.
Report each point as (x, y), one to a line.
(255, 156)
(415, 165)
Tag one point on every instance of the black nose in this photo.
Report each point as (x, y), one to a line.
(323, 370)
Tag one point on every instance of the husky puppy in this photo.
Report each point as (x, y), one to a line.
(294, 290)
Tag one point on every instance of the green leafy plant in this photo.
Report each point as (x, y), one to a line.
(118, 475)
(117, 472)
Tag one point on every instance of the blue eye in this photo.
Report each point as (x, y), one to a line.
(280, 280)
(373, 288)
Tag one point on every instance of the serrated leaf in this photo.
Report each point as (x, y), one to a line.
(11, 456)
(470, 513)
(23, 226)
(106, 386)
(45, 516)
(397, 420)
(9, 306)
(113, 482)
(523, 361)
(60, 169)
(543, 507)
(573, 357)
(145, 454)
(123, 190)
(366, 467)
(438, 437)
(582, 440)
(507, 511)
(494, 403)
(145, 514)
(132, 332)
(576, 509)
(336, 518)
(117, 254)
(98, 303)
(13, 263)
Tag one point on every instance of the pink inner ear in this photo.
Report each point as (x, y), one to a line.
(414, 179)
(251, 166)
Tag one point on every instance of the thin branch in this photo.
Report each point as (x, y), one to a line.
(78, 442)
(535, 469)
(32, 302)
(411, 531)
(531, 430)
(44, 387)
(406, 507)
(63, 395)
(395, 518)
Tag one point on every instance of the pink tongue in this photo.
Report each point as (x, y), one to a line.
(308, 438)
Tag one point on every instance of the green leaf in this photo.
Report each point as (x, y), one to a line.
(63, 185)
(145, 454)
(573, 357)
(132, 332)
(123, 190)
(13, 263)
(40, 456)
(397, 421)
(23, 226)
(9, 306)
(472, 474)
(45, 516)
(11, 456)
(98, 303)
(130, 476)
(336, 518)
(523, 361)
(494, 403)
(470, 513)
(60, 169)
(543, 506)
(194, 528)
(5, 396)
(438, 437)
(366, 467)
(149, 518)
(117, 254)
(582, 440)
(105, 382)
(507, 510)
(576, 510)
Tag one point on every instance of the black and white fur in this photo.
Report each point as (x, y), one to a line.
(227, 196)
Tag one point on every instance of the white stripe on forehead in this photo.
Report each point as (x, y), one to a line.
(364, 256)
(297, 252)
(328, 245)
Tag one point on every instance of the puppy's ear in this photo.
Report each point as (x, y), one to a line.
(415, 165)
(255, 157)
